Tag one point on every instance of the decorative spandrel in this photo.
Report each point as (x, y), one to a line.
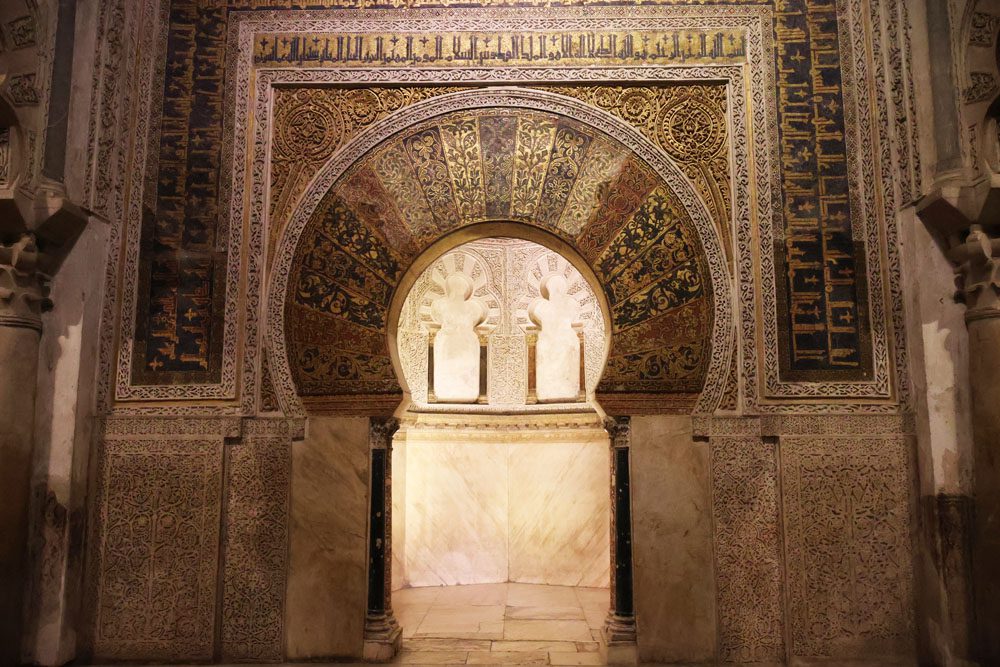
(456, 343)
(557, 354)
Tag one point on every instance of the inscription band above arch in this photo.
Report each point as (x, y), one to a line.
(515, 98)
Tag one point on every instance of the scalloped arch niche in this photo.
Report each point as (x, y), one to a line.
(501, 491)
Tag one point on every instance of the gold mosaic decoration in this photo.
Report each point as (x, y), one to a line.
(688, 123)
(312, 123)
(532, 167)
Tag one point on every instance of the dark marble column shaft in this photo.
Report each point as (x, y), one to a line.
(619, 629)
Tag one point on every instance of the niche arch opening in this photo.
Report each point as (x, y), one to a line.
(506, 266)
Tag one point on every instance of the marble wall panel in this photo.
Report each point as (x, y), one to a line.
(559, 513)
(328, 535)
(848, 519)
(456, 513)
(674, 581)
(503, 507)
(398, 564)
(255, 548)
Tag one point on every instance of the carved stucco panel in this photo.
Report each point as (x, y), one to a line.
(256, 548)
(158, 508)
(847, 519)
(747, 549)
(506, 275)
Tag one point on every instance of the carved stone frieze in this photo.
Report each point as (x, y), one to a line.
(222, 427)
(984, 29)
(380, 432)
(506, 276)
(619, 431)
(22, 31)
(22, 90)
(6, 158)
(155, 547)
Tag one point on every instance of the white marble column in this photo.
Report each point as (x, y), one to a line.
(978, 262)
(22, 299)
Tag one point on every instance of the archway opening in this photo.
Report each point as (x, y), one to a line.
(501, 465)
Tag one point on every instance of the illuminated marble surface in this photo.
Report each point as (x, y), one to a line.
(501, 624)
(492, 505)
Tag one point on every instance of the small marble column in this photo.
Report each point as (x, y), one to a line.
(432, 330)
(531, 341)
(619, 628)
(483, 334)
(978, 262)
(383, 635)
(22, 299)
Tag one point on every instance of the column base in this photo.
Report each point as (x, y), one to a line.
(619, 640)
(383, 637)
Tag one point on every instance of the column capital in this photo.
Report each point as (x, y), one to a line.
(380, 432)
(619, 430)
(977, 262)
(23, 288)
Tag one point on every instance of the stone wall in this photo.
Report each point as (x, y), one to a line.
(188, 541)
(484, 503)
(328, 527)
(755, 540)
(752, 546)
(215, 537)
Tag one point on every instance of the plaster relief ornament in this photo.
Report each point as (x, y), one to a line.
(557, 361)
(456, 344)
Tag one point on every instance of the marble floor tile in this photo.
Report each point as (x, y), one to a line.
(501, 624)
(485, 634)
(420, 595)
(547, 630)
(478, 594)
(556, 658)
(593, 596)
(409, 620)
(431, 658)
(504, 646)
(508, 658)
(596, 616)
(545, 613)
(534, 595)
(446, 644)
(461, 618)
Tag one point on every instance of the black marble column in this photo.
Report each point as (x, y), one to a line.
(619, 629)
(382, 632)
